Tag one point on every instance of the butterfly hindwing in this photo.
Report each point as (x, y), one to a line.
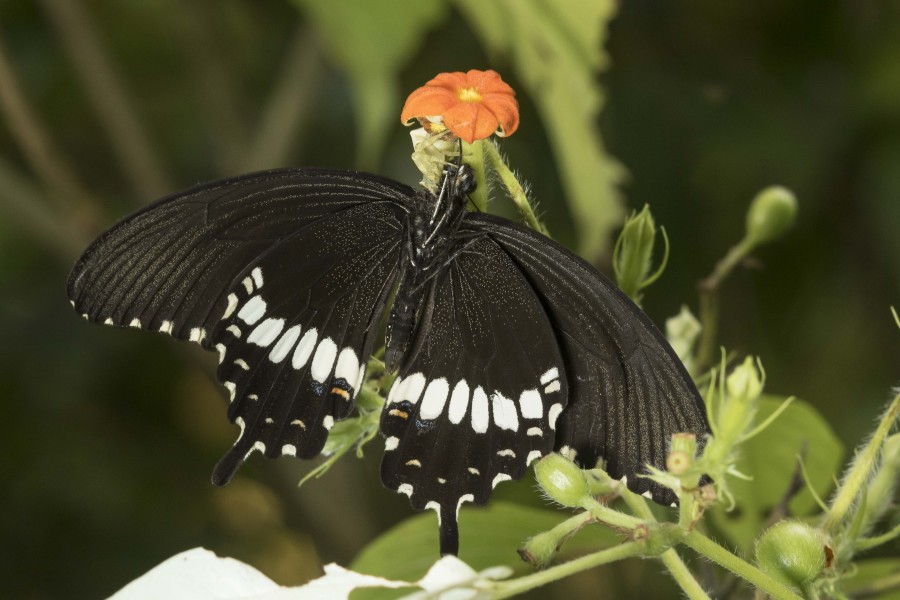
(283, 273)
(293, 355)
(477, 403)
(628, 391)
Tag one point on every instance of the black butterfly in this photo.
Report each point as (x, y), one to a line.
(508, 345)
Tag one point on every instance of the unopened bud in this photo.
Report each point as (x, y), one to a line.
(634, 253)
(745, 382)
(682, 331)
(771, 214)
(561, 479)
(791, 552)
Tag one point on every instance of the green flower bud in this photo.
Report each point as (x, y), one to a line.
(540, 550)
(735, 409)
(791, 552)
(633, 253)
(682, 331)
(561, 479)
(745, 382)
(771, 214)
(682, 453)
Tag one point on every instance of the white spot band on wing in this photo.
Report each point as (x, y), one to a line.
(459, 402)
(266, 332)
(434, 399)
(531, 404)
(285, 344)
(253, 310)
(323, 361)
(480, 416)
(347, 366)
(550, 376)
(304, 348)
(505, 415)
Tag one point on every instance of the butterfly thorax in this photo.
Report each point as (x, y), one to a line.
(434, 220)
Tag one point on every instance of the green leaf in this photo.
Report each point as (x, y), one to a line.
(371, 40)
(557, 51)
(869, 573)
(490, 536)
(770, 459)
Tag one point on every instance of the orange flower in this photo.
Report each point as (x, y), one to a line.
(471, 105)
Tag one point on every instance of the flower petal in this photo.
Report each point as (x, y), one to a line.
(505, 109)
(449, 81)
(427, 101)
(473, 105)
(470, 121)
(488, 82)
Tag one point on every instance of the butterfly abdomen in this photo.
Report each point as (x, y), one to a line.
(401, 322)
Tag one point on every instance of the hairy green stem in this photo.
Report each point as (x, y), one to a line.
(670, 558)
(506, 589)
(866, 460)
(736, 565)
(610, 516)
(682, 575)
(512, 185)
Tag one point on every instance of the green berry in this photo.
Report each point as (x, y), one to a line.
(791, 552)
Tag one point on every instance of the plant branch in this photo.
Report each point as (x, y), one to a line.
(288, 107)
(24, 204)
(736, 565)
(670, 558)
(116, 114)
(709, 301)
(68, 197)
(878, 588)
(505, 589)
(211, 75)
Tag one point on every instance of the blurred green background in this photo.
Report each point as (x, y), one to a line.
(108, 437)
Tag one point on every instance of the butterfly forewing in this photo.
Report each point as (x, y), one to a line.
(628, 391)
(478, 401)
(171, 266)
(285, 274)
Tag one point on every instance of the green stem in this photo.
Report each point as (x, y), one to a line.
(506, 589)
(736, 565)
(516, 192)
(473, 154)
(540, 550)
(856, 478)
(670, 558)
(873, 542)
(709, 302)
(610, 516)
(878, 588)
(682, 575)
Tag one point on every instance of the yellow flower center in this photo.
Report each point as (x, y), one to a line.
(468, 94)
